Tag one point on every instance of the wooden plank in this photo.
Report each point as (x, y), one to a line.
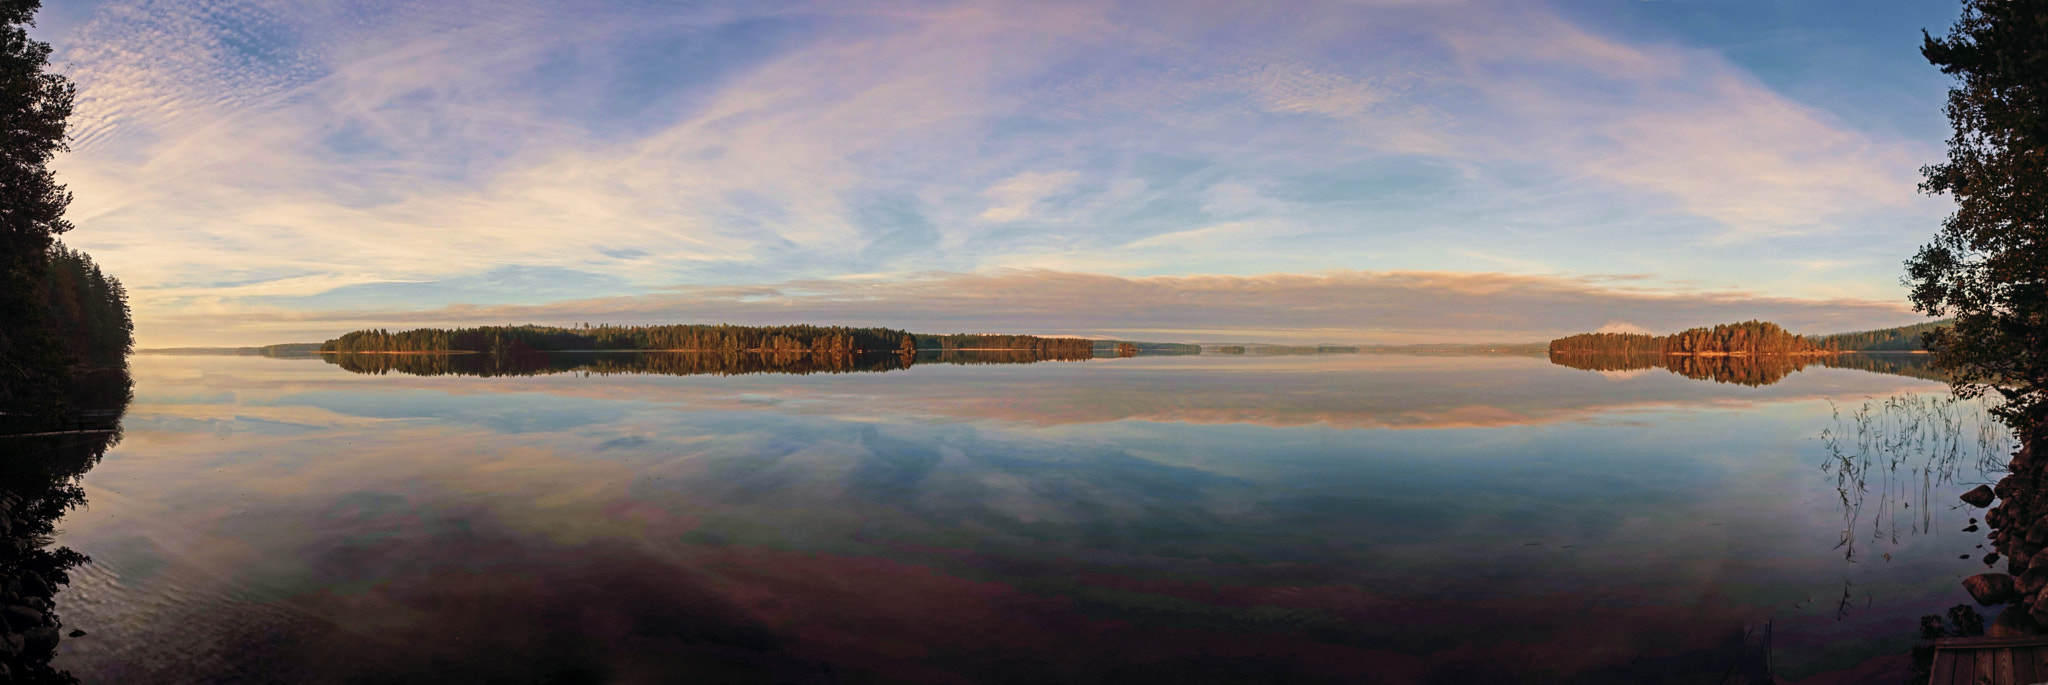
(2023, 666)
(2002, 661)
(1963, 666)
(1985, 665)
(1961, 642)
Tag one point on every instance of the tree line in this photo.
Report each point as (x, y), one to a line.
(691, 337)
(715, 363)
(87, 309)
(64, 334)
(510, 339)
(1748, 337)
(1901, 339)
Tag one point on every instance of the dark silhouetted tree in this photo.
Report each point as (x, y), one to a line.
(1988, 266)
(33, 107)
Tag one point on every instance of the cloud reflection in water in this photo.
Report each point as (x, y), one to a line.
(1186, 519)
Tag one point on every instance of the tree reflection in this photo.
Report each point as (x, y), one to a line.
(674, 363)
(43, 460)
(1751, 370)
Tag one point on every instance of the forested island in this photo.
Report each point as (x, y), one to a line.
(674, 363)
(1748, 337)
(780, 340)
(1747, 353)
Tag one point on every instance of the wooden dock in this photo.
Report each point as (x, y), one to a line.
(1990, 660)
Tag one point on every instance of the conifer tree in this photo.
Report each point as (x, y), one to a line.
(1988, 266)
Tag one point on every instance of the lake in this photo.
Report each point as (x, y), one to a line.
(1212, 518)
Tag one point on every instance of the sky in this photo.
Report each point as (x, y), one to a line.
(1361, 171)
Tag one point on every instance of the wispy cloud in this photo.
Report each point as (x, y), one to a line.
(236, 149)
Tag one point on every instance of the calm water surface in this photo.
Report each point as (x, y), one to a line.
(1338, 518)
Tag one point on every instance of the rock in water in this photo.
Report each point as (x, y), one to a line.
(78, 633)
(1990, 588)
(2013, 622)
(1981, 496)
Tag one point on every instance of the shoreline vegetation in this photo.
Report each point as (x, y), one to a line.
(1747, 338)
(613, 362)
(720, 338)
(1753, 353)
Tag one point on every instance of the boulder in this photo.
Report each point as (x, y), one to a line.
(2015, 621)
(20, 619)
(33, 584)
(2037, 533)
(1979, 496)
(2005, 487)
(1991, 588)
(10, 645)
(39, 644)
(2038, 559)
(2032, 581)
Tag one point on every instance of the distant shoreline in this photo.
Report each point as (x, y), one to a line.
(759, 350)
(1813, 353)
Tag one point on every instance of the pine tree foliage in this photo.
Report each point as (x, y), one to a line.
(1988, 265)
(33, 107)
(699, 338)
(1748, 337)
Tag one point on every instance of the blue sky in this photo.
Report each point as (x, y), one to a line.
(1398, 171)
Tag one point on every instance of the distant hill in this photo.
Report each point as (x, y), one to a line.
(1901, 339)
(280, 350)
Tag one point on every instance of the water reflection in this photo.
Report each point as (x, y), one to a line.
(1750, 370)
(43, 458)
(1149, 519)
(674, 363)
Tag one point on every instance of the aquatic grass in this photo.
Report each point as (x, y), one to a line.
(1906, 446)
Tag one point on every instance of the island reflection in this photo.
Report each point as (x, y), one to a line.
(674, 363)
(1750, 370)
(1124, 520)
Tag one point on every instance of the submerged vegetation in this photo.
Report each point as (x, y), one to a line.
(1895, 451)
